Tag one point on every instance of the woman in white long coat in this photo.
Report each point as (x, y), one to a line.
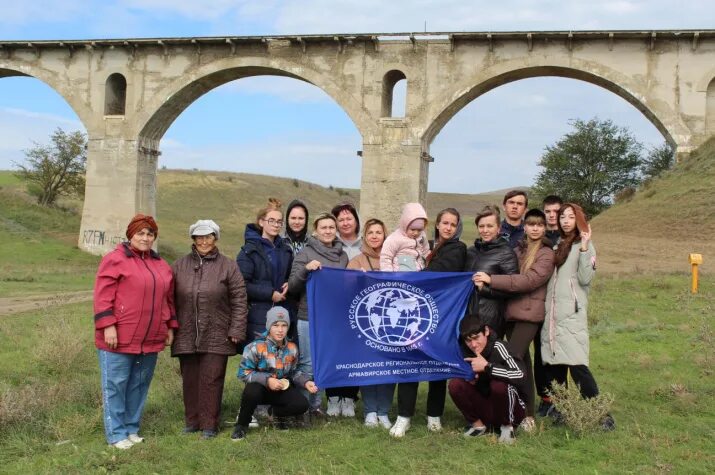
(564, 336)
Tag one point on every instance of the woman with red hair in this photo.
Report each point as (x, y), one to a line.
(134, 320)
(564, 336)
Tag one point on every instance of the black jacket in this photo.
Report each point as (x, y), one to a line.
(503, 366)
(257, 272)
(449, 257)
(494, 258)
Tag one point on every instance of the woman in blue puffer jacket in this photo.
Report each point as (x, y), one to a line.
(265, 261)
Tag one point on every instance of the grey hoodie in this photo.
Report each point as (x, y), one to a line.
(313, 250)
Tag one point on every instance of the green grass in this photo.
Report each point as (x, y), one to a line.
(652, 346)
(39, 252)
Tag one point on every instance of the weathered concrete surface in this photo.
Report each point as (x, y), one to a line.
(667, 75)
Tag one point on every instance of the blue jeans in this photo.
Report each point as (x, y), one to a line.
(305, 361)
(377, 398)
(125, 384)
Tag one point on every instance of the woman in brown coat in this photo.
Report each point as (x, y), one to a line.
(211, 308)
(525, 312)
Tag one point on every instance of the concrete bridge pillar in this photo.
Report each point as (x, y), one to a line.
(394, 172)
(121, 181)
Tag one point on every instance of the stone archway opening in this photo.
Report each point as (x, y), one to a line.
(710, 109)
(528, 103)
(30, 111)
(394, 94)
(115, 94)
(248, 125)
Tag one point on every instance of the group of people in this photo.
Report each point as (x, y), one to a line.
(531, 274)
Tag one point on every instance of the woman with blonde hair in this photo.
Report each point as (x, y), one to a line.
(265, 261)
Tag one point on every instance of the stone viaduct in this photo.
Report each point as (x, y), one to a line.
(127, 92)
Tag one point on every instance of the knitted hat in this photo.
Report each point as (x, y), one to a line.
(204, 227)
(277, 314)
(139, 222)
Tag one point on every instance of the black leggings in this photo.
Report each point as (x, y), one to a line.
(579, 373)
(519, 336)
(290, 402)
(540, 379)
(407, 398)
(350, 392)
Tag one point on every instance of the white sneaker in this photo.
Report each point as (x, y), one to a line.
(506, 435)
(434, 424)
(402, 424)
(333, 406)
(254, 424)
(347, 407)
(371, 419)
(123, 444)
(384, 421)
(135, 438)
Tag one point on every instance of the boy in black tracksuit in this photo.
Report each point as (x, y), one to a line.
(495, 397)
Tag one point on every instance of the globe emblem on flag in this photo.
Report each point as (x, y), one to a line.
(393, 316)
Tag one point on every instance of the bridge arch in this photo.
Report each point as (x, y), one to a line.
(667, 121)
(169, 102)
(81, 110)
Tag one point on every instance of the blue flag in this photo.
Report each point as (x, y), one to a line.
(386, 327)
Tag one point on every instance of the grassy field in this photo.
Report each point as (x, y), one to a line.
(652, 347)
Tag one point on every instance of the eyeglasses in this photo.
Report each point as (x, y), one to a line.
(274, 222)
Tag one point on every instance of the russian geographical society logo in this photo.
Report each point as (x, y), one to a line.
(393, 315)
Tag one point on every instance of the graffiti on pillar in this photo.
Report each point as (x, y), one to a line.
(97, 238)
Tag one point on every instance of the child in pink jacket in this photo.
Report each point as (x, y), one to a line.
(407, 247)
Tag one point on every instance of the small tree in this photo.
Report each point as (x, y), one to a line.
(590, 165)
(658, 160)
(56, 169)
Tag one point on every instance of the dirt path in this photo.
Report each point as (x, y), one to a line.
(10, 305)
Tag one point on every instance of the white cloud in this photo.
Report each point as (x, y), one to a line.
(197, 10)
(19, 128)
(286, 89)
(19, 13)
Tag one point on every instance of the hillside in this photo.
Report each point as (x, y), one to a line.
(654, 232)
(666, 220)
(232, 200)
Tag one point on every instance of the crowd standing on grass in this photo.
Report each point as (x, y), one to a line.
(531, 273)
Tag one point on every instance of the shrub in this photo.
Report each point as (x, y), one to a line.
(625, 195)
(296, 183)
(582, 416)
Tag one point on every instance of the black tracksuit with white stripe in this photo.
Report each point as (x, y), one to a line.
(503, 367)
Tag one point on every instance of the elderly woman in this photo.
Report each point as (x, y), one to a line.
(211, 310)
(133, 319)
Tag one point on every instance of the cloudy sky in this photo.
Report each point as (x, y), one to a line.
(280, 126)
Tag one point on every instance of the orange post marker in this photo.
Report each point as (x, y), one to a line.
(695, 260)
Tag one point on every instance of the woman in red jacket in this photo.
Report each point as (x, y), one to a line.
(134, 319)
